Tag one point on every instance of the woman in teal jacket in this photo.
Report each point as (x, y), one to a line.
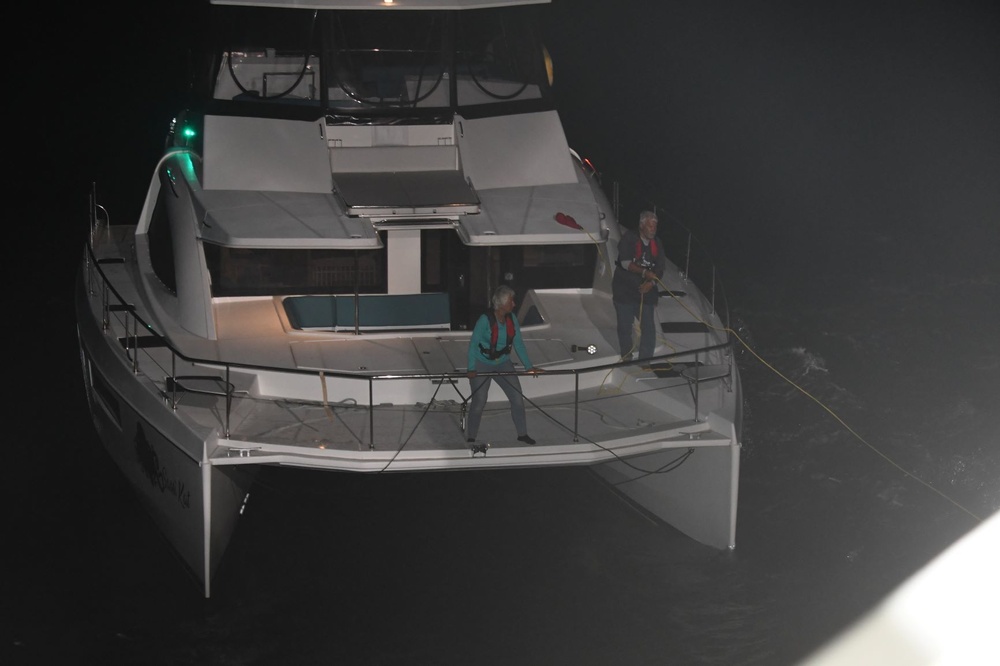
(495, 334)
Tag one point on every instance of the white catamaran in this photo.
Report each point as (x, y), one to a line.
(331, 214)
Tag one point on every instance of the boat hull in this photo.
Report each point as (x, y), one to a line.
(698, 496)
(194, 504)
(304, 284)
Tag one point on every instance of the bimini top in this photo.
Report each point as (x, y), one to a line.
(380, 4)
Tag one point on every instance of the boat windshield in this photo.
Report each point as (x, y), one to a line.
(357, 61)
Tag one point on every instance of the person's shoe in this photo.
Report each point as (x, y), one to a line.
(526, 439)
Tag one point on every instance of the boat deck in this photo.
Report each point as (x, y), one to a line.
(602, 424)
(399, 402)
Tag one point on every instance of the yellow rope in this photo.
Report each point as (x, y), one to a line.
(600, 250)
(326, 404)
(820, 403)
(624, 354)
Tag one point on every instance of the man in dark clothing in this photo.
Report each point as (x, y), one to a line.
(634, 287)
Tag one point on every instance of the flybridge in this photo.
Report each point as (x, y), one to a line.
(399, 171)
(396, 66)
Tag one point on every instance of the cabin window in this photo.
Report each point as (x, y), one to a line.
(268, 56)
(561, 256)
(377, 62)
(524, 268)
(161, 245)
(547, 267)
(264, 272)
(497, 57)
(386, 59)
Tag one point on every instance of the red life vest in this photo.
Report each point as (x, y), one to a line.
(493, 353)
(638, 249)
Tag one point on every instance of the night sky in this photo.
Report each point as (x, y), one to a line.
(806, 122)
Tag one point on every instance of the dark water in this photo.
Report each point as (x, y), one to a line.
(842, 162)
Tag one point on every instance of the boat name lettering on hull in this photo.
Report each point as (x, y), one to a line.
(149, 462)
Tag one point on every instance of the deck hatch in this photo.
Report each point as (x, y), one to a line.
(405, 193)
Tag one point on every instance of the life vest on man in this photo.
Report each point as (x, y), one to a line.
(638, 249)
(492, 352)
(653, 250)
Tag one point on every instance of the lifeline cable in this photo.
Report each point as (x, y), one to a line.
(329, 412)
(415, 426)
(667, 467)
